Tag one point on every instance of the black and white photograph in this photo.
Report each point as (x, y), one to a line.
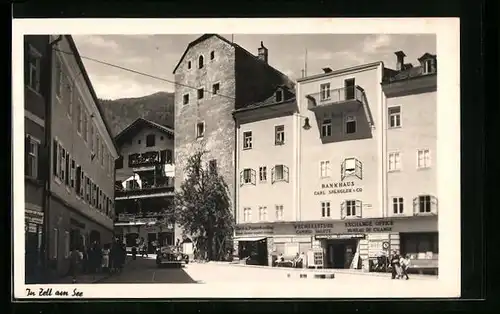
(236, 158)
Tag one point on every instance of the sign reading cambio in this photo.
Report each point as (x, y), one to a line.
(338, 188)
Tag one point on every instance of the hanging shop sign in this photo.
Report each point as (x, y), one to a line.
(33, 216)
(254, 229)
(338, 188)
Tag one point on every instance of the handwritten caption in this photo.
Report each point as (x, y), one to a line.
(49, 292)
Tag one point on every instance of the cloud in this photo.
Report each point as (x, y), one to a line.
(376, 43)
(97, 41)
(120, 86)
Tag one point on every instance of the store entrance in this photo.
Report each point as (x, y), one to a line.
(340, 253)
(254, 251)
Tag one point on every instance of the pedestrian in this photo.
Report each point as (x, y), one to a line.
(395, 265)
(75, 261)
(405, 264)
(303, 260)
(105, 258)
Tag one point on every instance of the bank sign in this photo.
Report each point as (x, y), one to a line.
(338, 188)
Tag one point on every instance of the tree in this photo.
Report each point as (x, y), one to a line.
(203, 207)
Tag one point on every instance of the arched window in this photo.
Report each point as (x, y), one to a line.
(200, 62)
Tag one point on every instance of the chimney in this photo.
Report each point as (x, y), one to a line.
(400, 60)
(327, 70)
(262, 52)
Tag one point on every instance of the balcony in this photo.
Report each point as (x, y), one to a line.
(145, 190)
(341, 98)
(144, 159)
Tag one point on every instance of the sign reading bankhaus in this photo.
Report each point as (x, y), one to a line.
(338, 188)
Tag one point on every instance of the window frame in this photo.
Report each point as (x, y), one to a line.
(327, 170)
(285, 172)
(263, 213)
(212, 55)
(397, 165)
(33, 53)
(200, 93)
(262, 174)
(358, 170)
(427, 66)
(350, 119)
(326, 126)
(425, 166)
(247, 144)
(433, 205)
(279, 212)
(201, 62)
(215, 91)
(325, 93)
(59, 79)
(148, 140)
(398, 115)
(397, 205)
(348, 206)
(198, 135)
(279, 135)
(247, 214)
(185, 99)
(326, 209)
(247, 173)
(35, 143)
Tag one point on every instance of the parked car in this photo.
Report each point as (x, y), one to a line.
(170, 254)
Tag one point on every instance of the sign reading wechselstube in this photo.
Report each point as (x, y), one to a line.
(338, 188)
(313, 228)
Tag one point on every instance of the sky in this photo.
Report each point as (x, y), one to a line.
(157, 55)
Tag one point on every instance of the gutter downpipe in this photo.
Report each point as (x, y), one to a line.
(47, 148)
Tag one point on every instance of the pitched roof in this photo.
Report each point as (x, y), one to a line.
(409, 72)
(236, 46)
(288, 96)
(139, 124)
(86, 77)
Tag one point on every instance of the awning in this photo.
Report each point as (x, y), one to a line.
(250, 239)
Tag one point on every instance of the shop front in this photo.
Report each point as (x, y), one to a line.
(253, 243)
(33, 227)
(134, 230)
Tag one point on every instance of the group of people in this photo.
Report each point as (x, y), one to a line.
(298, 261)
(96, 259)
(399, 265)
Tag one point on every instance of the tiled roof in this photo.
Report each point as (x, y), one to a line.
(138, 125)
(288, 96)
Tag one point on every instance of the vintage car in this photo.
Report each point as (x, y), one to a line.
(169, 254)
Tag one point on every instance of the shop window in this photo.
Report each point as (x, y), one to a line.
(279, 248)
(279, 173)
(350, 209)
(279, 132)
(420, 245)
(263, 174)
(247, 140)
(325, 209)
(351, 167)
(247, 176)
(425, 204)
(304, 247)
(326, 128)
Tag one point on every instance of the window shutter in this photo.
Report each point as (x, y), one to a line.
(342, 210)
(253, 176)
(359, 208)
(285, 173)
(434, 204)
(415, 206)
(272, 174)
(55, 157)
(242, 179)
(66, 169)
(342, 171)
(359, 169)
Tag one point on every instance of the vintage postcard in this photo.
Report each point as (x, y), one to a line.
(236, 158)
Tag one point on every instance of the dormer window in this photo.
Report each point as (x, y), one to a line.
(427, 64)
(200, 62)
(279, 96)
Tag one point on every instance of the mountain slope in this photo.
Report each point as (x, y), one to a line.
(158, 107)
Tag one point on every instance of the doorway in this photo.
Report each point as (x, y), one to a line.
(349, 85)
(341, 253)
(151, 239)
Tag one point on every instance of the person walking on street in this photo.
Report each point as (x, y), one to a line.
(405, 264)
(105, 258)
(395, 265)
(75, 260)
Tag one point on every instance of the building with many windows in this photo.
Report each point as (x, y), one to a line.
(215, 76)
(144, 187)
(338, 158)
(80, 202)
(37, 74)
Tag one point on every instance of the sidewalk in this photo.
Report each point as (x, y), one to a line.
(326, 270)
(90, 278)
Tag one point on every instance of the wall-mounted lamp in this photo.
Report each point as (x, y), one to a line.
(306, 126)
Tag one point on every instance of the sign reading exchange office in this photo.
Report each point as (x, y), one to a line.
(367, 226)
(338, 188)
